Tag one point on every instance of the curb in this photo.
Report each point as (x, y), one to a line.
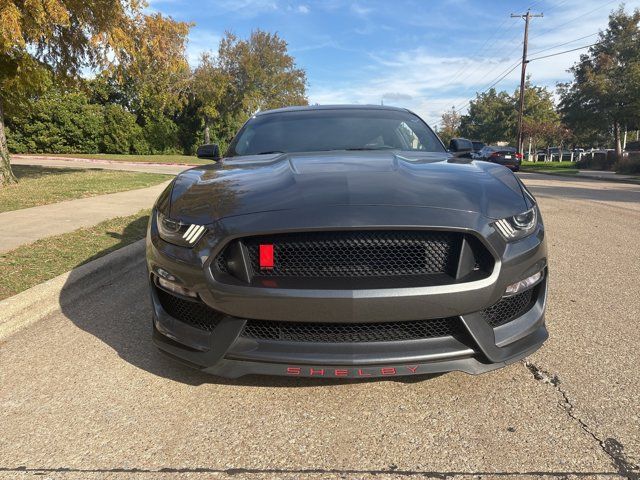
(585, 177)
(102, 161)
(40, 301)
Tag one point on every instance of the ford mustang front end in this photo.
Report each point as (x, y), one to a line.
(346, 242)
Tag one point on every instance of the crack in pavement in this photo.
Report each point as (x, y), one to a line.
(610, 446)
(391, 470)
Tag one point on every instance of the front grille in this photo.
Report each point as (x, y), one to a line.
(354, 254)
(509, 308)
(351, 332)
(194, 313)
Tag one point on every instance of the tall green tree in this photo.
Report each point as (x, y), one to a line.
(209, 85)
(491, 118)
(605, 92)
(44, 38)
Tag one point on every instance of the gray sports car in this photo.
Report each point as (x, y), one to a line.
(346, 241)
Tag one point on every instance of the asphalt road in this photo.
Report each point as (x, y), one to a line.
(84, 394)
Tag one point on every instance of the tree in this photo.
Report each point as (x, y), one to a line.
(541, 123)
(262, 75)
(491, 118)
(209, 84)
(54, 37)
(450, 124)
(605, 91)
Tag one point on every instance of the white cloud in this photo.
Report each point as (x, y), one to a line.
(360, 10)
(429, 84)
(201, 41)
(303, 9)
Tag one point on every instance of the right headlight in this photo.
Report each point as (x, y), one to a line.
(518, 226)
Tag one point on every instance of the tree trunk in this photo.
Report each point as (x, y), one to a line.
(616, 135)
(6, 174)
(207, 135)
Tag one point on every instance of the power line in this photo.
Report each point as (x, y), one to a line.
(556, 27)
(565, 43)
(498, 80)
(560, 53)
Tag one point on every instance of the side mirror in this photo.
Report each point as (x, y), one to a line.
(210, 151)
(461, 147)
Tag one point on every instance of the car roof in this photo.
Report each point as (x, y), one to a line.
(331, 107)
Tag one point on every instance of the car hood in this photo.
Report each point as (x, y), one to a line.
(261, 183)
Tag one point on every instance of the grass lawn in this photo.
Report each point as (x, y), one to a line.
(550, 166)
(45, 259)
(41, 185)
(184, 159)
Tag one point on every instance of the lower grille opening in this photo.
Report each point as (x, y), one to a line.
(352, 332)
(509, 308)
(194, 313)
(360, 259)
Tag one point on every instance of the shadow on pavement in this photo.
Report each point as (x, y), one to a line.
(117, 311)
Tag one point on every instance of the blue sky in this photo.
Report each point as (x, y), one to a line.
(423, 55)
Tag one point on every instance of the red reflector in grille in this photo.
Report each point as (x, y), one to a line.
(266, 255)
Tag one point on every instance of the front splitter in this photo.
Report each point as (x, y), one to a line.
(237, 368)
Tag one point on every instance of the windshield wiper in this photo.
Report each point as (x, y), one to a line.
(269, 152)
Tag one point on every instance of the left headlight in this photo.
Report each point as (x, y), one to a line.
(177, 232)
(518, 226)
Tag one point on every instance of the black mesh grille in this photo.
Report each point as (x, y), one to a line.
(351, 332)
(509, 308)
(195, 314)
(357, 254)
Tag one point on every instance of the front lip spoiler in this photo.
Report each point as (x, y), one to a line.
(231, 368)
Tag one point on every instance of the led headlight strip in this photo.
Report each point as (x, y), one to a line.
(505, 228)
(193, 233)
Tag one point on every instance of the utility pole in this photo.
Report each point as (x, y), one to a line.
(527, 16)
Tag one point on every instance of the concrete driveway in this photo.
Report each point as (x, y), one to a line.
(84, 394)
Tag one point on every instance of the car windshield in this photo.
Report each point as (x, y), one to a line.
(334, 129)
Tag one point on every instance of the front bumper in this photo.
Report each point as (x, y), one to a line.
(224, 351)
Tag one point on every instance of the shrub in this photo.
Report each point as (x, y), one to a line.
(58, 123)
(600, 161)
(161, 133)
(121, 132)
(629, 163)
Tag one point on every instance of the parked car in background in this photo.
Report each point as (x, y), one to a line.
(507, 156)
(477, 146)
(555, 153)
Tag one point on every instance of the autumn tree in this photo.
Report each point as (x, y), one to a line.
(262, 75)
(42, 38)
(605, 92)
(449, 125)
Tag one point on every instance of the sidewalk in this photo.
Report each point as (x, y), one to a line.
(44, 161)
(31, 224)
(589, 174)
(610, 176)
